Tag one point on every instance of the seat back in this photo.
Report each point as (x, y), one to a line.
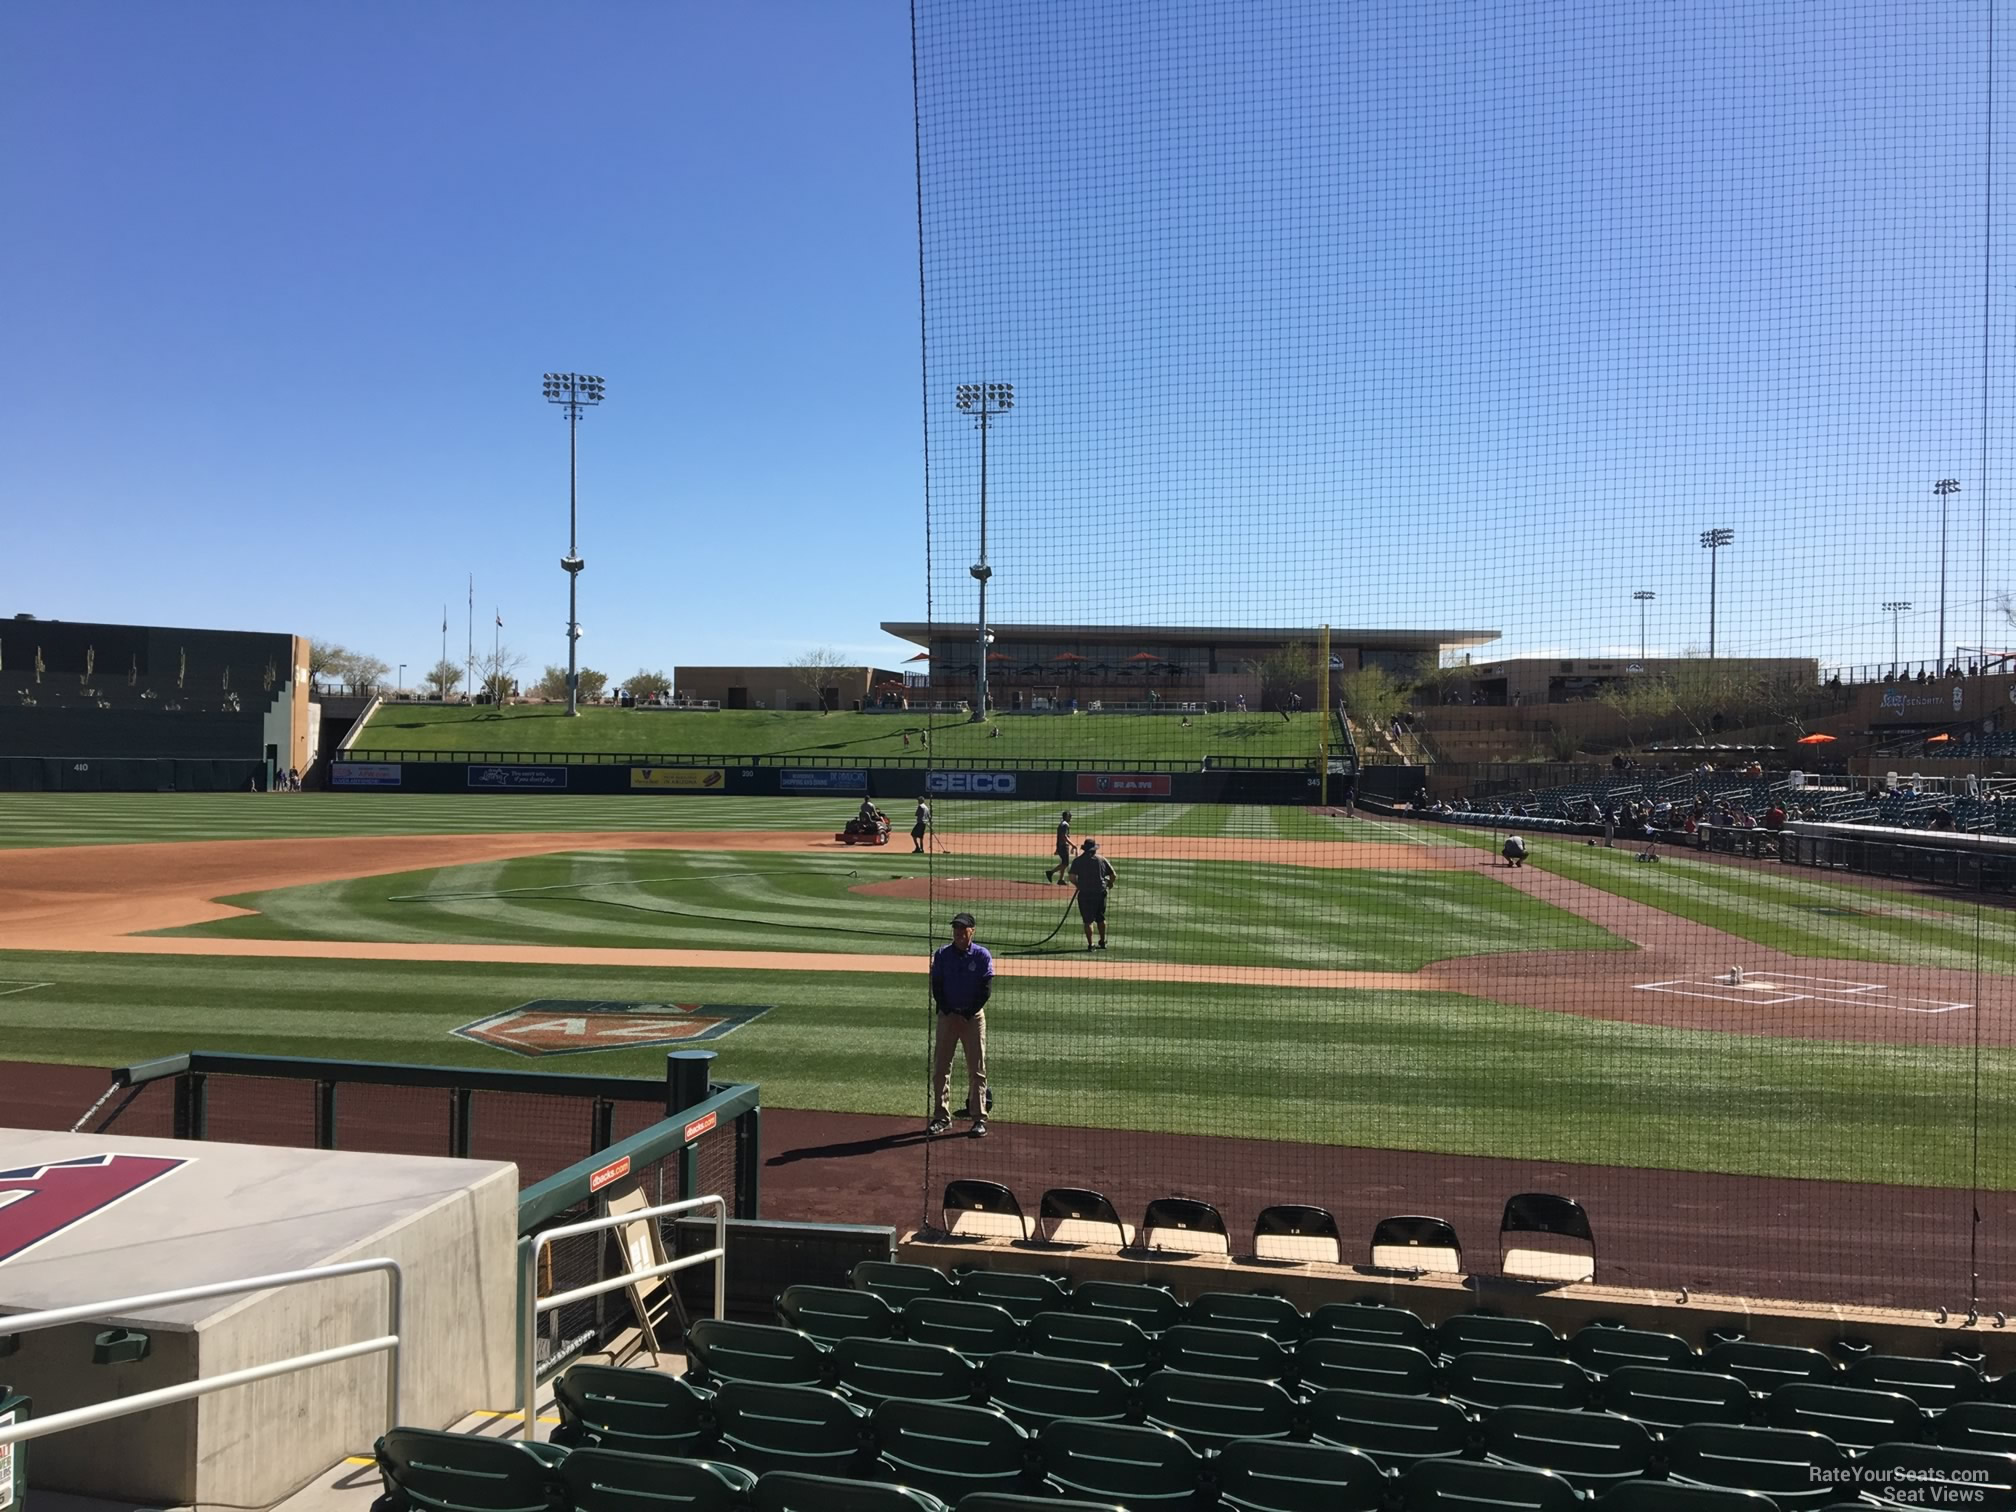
(1602, 1350)
(1977, 1425)
(1076, 1215)
(1481, 1379)
(1105, 1340)
(982, 1210)
(951, 1449)
(1765, 1367)
(1465, 1333)
(1184, 1226)
(791, 1428)
(639, 1410)
(1372, 1322)
(874, 1370)
(1930, 1475)
(1412, 1242)
(795, 1491)
(456, 1472)
(826, 1313)
(1294, 1231)
(1273, 1476)
(1250, 1312)
(1152, 1309)
(1670, 1496)
(1592, 1451)
(1036, 1390)
(609, 1480)
(896, 1283)
(1021, 1294)
(1453, 1485)
(720, 1349)
(1328, 1362)
(1792, 1467)
(1134, 1466)
(1668, 1398)
(1225, 1352)
(1542, 1237)
(1396, 1431)
(1208, 1412)
(1853, 1418)
(975, 1329)
(1933, 1384)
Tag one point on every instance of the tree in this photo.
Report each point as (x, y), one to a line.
(1371, 696)
(593, 683)
(323, 658)
(1635, 701)
(444, 679)
(363, 671)
(641, 685)
(1284, 671)
(497, 666)
(337, 663)
(552, 684)
(815, 672)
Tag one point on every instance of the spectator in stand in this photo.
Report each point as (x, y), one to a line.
(1942, 819)
(1774, 817)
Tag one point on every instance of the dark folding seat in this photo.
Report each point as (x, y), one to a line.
(610, 1480)
(1152, 1309)
(768, 1428)
(1542, 1237)
(1453, 1485)
(952, 1450)
(720, 1349)
(1482, 1380)
(1134, 1467)
(1592, 1451)
(428, 1471)
(1020, 1294)
(997, 1501)
(1601, 1350)
(896, 1283)
(975, 1329)
(1765, 1367)
(982, 1210)
(1209, 1412)
(1074, 1215)
(1274, 1475)
(1471, 1332)
(1330, 1362)
(1396, 1431)
(1097, 1337)
(1796, 1469)
(1036, 1390)
(642, 1411)
(1417, 1244)
(1293, 1232)
(1372, 1322)
(1919, 1476)
(795, 1491)
(1225, 1351)
(1933, 1384)
(1853, 1418)
(873, 1370)
(1670, 1399)
(1184, 1226)
(826, 1313)
(1253, 1312)
(1977, 1425)
(1667, 1496)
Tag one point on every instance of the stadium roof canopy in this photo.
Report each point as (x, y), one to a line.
(922, 634)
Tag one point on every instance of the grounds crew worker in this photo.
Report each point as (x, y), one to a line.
(920, 827)
(1095, 878)
(1063, 852)
(962, 979)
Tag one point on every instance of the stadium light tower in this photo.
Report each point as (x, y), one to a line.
(1945, 488)
(1894, 608)
(984, 402)
(1712, 542)
(1644, 596)
(576, 391)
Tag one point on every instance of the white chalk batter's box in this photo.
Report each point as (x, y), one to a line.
(1772, 989)
(8, 988)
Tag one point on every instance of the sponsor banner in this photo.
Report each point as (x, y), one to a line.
(574, 1026)
(822, 780)
(688, 779)
(976, 784)
(616, 1170)
(364, 774)
(1898, 703)
(517, 777)
(1121, 785)
(704, 1124)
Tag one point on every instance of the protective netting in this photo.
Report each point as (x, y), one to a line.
(1576, 421)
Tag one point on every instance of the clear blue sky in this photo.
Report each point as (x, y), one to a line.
(1399, 312)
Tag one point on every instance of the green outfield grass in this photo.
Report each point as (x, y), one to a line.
(1175, 911)
(1425, 1071)
(756, 732)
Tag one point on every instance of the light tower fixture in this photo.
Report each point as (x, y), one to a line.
(1945, 488)
(1893, 608)
(1644, 596)
(1712, 542)
(984, 402)
(575, 391)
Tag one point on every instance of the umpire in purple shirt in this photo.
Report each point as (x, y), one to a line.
(962, 979)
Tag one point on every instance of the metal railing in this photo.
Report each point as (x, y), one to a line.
(534, 1305)
(168, 1395)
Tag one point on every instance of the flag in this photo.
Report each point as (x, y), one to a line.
(444, 621)
(500, 621)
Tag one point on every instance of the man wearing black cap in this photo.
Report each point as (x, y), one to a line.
(1095, 878)
(962, 978)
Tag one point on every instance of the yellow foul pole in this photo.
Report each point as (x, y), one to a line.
(1323, 718)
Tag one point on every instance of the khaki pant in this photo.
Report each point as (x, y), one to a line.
(954, 1030)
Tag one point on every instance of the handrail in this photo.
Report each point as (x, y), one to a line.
(168, 1395)
(1152, 765)
(528, 1380)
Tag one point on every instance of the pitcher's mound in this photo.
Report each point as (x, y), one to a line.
(974, 889)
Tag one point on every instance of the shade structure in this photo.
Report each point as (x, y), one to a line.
(920, 656)
(1815, 740)
(1937, 739)
(1067, 656)
(1144, 656)
(999, 656)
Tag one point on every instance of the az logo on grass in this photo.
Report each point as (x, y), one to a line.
(572, 1026)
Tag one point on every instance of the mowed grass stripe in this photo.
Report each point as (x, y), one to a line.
(1420, 1071)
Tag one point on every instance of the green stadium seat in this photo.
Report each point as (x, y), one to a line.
(1225, 1351)
(1073, 1215)
(1669, 1399)
(1331, 1362)
(1929, 1475)
(1209, 1412)
(1666, 1496)
(1933, 1384)
(976, 1329)
(1472, 1332)
(1098, 1337)
(641, 1411)
(1036, 1390)
(1250, 1312)
(953, 1450)
(1853, 1418)
(1452, 1485)
(1601, 1350)
(996, 1501)
(1269, 1475)
(1396, 1431)
(1592, 1451)
(826, 1313)
(1484, 1380)
(1020, 1294)
(896, 1283)
(1138, 1468)
(609, 1480)
(795, 1491)
(1765, 1367)
(1184, 1226)
(720, 1349)
(1295, 1232)
(769, 1428)
(1796, 1469)
(1977, 1425)
(874, 1370)
(1372, 1322)
(455, 1472)
(1152, 1309)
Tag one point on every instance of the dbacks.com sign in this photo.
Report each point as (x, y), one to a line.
(971, 784)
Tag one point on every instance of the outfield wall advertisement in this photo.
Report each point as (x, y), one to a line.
(521, 778)
(822, 780)
(378, 774)
(680, 779)
(1122, 785)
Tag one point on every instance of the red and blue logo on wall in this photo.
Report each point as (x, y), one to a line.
(39, 1202)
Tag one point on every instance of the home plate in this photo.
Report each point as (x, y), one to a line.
(1770, 989)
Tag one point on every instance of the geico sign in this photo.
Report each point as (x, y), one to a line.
(969, 782)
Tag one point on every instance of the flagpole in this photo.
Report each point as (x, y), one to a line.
(469, 667)
(497, 653)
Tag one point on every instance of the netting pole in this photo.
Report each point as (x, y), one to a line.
(1323, 718)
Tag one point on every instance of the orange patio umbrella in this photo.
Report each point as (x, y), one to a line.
(1937, 739)
(1144, 656)
(1815, 740)
(920, 656)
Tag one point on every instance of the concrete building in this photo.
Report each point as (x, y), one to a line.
(780, 687)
